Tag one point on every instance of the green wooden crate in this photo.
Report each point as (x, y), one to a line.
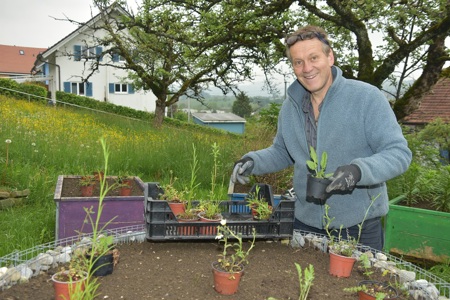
(415, 232)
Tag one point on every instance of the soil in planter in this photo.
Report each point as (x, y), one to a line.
(71, 188)
(423, 204)
(182, 270)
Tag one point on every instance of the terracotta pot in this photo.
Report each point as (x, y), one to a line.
(393, 293)
(315, 189)
(341, 266)
(87, 190)
(64, 289)
(226, 283)
(177, 207)
(209, 230)
(185, 229)
(254, 212)
(125, 191)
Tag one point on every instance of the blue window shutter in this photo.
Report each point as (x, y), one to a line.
(66, 87)
(77, 52)
(130, 89)
(111, 88)
(89, 89)
(98, 52)
(115, 57)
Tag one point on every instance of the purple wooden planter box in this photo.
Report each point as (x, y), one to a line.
(70, 212)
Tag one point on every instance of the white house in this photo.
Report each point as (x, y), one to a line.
(67, 61)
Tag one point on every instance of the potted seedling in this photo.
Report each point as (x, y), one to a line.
(341, 250)
(103, 255)
(174, 197)
(70, 283)
(210, 212)
(374, 290)
(124, 184)
(318, 180)
(229, 268)
(87, 184)
(260, 201)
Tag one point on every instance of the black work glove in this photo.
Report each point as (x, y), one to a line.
(344, 178)
(242, 169)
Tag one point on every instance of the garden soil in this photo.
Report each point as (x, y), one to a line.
(182, 270)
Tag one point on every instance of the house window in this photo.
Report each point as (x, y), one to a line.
(121, 88)
(21, 52)
(78, 88)
(116, 57)
(84, 52)
(88, 52)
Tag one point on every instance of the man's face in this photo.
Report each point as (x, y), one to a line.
(312, 66)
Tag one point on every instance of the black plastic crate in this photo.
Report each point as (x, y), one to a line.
(162, 225)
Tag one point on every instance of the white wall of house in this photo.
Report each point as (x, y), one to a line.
(108, 84)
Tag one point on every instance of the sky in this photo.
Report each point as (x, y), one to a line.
(31, 23)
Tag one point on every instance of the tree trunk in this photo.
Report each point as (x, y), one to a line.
(159, 113)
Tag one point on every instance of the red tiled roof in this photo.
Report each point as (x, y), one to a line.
(13, 62)
(434, 104)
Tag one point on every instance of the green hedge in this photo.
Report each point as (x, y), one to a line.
(20, 88)
(103, 106)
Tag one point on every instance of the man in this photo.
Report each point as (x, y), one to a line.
(352, 122)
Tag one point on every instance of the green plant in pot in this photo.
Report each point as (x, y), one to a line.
(341, 250)
(318, 180)
(124, 184)
(70, 283)
(210, 210)
(258, 203)
(174, 197)
(104, 255)
(83, 262)
(228, 269)
(87, 184)
(374, 290)
(101, 253)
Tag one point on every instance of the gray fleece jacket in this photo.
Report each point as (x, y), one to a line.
(356, 126)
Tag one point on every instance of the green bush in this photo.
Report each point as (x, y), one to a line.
(21, 89)
(428, 177)
(269, 116)
(103, 106)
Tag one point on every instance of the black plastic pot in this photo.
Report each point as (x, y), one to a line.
(316, 189)
(103, 265)
(265, 192)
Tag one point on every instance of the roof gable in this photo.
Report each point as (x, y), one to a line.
(18, 59)
(113, 8)
(435, 104)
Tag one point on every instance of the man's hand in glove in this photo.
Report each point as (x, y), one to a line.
(344, 178)
(242, 169)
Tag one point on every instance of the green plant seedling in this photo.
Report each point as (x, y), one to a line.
(317, 166)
